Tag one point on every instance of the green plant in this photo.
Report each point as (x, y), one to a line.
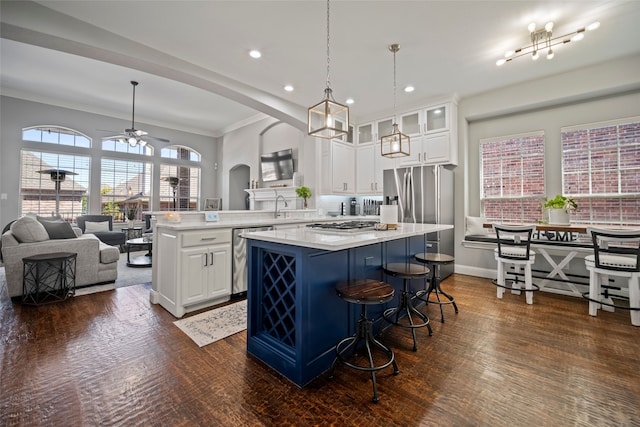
(303, 192)
(131, 214)
(561, 202)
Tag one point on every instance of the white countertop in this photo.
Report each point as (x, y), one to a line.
(240, 221)
(338, 240)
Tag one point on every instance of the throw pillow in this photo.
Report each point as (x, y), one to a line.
(475, 226)
(29, 230)
(58, 229)
(93, 227)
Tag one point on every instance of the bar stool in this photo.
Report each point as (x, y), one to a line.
(407, 271)
(514, 247)
(434, 261)
(615, 253)
(364, 292)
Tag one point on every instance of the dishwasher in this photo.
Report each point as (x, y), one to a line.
(239, 285)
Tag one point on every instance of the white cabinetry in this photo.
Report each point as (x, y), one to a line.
(337, 168)
(194, 269)
(366, 134)
(369, 167)
(436, 140)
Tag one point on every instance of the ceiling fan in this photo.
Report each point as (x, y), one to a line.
(135, 136)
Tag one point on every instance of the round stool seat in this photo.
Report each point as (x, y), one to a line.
(365, 291)
(406, 270)
(435, 258)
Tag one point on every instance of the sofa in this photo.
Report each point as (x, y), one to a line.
(96, 262)
(101, 226)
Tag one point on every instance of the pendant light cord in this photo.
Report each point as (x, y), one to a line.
(394, 85)
(328, 47)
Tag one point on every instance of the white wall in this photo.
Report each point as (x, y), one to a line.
(18, 114)
(603, 92)
(246, 144)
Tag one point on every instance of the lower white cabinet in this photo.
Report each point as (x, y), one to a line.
(206, 273)
(192, 268)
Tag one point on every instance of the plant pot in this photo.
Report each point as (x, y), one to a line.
(559, 217)
(130, 223)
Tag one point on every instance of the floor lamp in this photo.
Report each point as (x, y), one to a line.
(57, 176)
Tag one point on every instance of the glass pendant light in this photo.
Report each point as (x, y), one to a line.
(328, 119)
(396, 144)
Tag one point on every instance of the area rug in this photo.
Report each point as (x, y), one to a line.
(213, 325)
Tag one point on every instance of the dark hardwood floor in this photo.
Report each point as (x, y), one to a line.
(112, 358)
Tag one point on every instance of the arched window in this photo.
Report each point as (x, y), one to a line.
(54, 182)
(179, 179)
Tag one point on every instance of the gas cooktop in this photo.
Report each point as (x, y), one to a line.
(348, 226)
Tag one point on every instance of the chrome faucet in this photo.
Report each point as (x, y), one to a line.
(276, 214)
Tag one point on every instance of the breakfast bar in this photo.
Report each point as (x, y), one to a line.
(295, 317)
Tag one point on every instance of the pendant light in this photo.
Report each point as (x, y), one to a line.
(328, 119)
(395, 144)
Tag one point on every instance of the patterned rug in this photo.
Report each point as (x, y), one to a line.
(216, 324)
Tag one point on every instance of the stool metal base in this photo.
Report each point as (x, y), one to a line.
(393, 316)
(351, 345)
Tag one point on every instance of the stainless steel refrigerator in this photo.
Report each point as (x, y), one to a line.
(424, 194)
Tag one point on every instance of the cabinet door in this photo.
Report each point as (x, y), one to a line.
(219, 274)
(364, 169)
(365, 133)
(415, 153)
(380, 164)
(195, 271)
(437, 119)
(437, 148)
(384, 127)
(411, 123)
(344, 176)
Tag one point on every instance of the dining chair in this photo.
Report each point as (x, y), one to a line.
(615, 253)
(514, 248)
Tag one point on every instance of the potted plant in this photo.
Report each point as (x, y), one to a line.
(559, 208)
(131, 216)
(304, 193)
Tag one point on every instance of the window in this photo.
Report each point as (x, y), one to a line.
(56, 135)
(125, 187)
(179, 179)
(512, 178)
(119, 147)
(51, 182)
(601, 171)
(45, 193)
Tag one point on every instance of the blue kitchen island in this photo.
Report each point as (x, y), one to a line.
(295, 317)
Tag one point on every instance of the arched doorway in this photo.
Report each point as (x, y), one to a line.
(238, 181)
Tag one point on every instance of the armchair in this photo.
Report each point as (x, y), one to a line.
(93, 224)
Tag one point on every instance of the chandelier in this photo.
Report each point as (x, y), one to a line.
(328, 119)
(542, 40)
(396, 144)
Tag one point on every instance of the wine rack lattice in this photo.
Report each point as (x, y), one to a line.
(278, 299)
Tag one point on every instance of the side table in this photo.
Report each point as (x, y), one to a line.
(132, 232)
(142, 260)
(48, 277)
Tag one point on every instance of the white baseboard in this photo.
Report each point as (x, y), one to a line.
(475, 271)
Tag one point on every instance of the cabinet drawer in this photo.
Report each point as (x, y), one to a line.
(211, 237)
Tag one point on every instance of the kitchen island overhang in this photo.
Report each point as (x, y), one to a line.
(295, 317)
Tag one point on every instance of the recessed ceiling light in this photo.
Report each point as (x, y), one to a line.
(349, 101)
(255, 53)
(409, 89)
(288, 88)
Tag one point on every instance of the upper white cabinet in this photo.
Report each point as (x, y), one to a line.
(383, 127)
(366, 134)
(433, 137)
(369, 167)
(337, 168)
(349, 137)
(436, 119)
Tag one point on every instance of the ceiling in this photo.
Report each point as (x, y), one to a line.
(191, 57)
